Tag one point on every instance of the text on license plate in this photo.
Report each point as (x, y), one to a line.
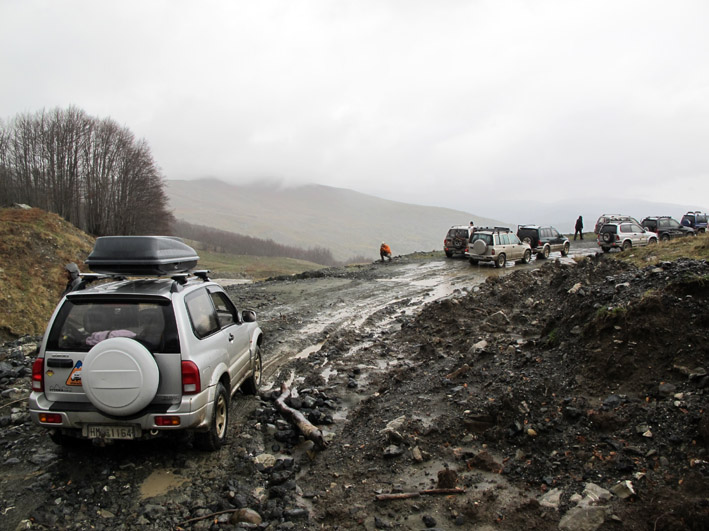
(111, 432)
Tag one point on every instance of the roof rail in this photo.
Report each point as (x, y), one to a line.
(493, 229)
(202, 273)
(89, 278)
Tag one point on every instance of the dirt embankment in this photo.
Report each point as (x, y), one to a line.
(34, 248)
(567, 396)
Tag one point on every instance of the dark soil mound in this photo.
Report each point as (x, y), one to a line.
(554, 378)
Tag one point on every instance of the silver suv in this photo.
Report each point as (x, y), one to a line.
(136, 358)
(498, 245)
(624, 235)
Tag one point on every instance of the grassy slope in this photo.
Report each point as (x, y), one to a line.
(687, 247)
(34, 248)
(224, 265)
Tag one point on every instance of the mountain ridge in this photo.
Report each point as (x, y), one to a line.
(349, 223)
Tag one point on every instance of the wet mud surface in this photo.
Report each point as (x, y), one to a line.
(558, 395)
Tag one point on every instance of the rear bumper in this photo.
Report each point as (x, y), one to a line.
(191, 412)
(481, 257)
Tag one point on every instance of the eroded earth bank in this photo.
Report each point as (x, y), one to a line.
(559, 395)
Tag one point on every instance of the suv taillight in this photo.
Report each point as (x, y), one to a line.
(38, 375)
(191, 383)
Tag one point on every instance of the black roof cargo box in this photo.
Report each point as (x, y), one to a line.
(141, 255)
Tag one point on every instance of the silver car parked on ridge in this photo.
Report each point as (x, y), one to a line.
(624, 235)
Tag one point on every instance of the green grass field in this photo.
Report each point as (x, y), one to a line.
(223, 265)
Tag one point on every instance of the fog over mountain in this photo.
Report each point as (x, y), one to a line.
(350, 223)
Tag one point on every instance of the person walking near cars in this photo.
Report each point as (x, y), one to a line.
(579, 228)
(385, 251)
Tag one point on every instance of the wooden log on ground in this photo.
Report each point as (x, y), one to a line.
(407, 495)
(296, 418)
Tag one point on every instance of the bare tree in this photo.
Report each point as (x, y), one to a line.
(91, 172)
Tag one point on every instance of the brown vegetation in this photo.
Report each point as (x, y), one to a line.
(34, 248)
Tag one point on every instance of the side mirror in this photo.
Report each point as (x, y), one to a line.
(249, 316)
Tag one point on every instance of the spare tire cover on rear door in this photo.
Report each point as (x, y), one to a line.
(479, 247)
(120, 376)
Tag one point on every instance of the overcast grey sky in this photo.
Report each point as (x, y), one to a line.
(431, 102)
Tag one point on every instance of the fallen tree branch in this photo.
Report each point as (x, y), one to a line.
(210, 515)
(406, 495)
(309, 431)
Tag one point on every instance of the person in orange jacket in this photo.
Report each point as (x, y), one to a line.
(385, 251)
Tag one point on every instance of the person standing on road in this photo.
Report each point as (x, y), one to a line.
(579, 228)
(73, 278)
(385, 251)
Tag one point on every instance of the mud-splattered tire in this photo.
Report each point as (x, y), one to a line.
(606, 249)
(565, 249)
(526, 257)
(215, 436)
(253, 383)
(501, 260)
(627, 245)
(449, 254)
(664, 238)
(473, 261)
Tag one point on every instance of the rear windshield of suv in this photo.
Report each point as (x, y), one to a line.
(458, 233)
(82, 324)
(528, 233)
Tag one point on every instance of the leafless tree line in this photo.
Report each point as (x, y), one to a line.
(229, 242)
(90, 171)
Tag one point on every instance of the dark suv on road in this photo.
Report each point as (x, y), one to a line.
(543, 240)
(695, 220)
(666, 227)
(457, 238)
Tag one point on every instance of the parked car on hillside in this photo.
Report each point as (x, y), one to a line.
(607, 218)
(624, 235)
(543, 240)
(456, 240)
(696, 220)
(135, 358)
(666, 228)
(498, 245)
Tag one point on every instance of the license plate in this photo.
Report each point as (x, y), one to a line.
(112, 432)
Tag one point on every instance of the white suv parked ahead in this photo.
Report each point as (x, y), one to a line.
(498, 245)
(135, 358)
(624, 235)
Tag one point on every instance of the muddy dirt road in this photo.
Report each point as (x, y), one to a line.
(447, 398)
(302, 313)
